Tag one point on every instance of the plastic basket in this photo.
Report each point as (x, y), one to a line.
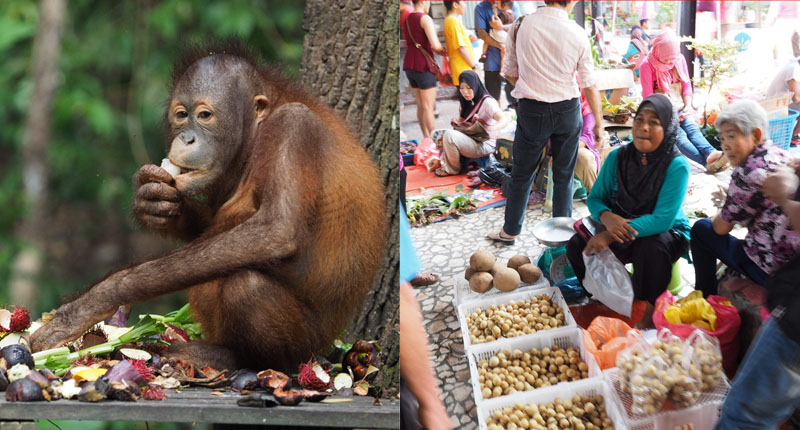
(467, 308)
(462, 293)
(570, 338)
(586, 387)
(703, 415)
(780, 129)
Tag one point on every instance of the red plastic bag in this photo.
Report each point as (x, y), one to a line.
(425, 151)
(728, 323)
(446, 78)
(604, 338)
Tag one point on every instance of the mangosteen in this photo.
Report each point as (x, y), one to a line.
(246, 379)
(359, 372)
(24, 390)
(15, 354)
(271, 380)
(288, 398)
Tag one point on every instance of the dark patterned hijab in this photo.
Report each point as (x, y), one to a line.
(641, 175)
(478, 90)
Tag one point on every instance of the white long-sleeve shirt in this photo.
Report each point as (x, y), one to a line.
(550, 49)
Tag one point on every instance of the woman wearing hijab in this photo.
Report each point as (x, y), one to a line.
(637, 50)
(476, 105)
(637, 198)
(664, 71)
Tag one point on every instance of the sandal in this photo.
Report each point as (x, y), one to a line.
(440, 172)
(424, 279)
(497, 237)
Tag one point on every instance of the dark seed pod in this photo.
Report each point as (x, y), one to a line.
(95, 392)
(38, 378)
(15, 354)
(314, 396)
(245, 380)
(288, 398)
(257, 400)
(24, 390)
(126, 391)
(359, 372)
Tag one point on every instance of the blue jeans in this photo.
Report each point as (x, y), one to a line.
(708, 247)
(538, 122)
(766, 389)
(692, 143)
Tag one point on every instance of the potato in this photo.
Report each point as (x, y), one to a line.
(468, 273)
(480, 282)
(506, 280)
(518, 260)
(529, 273)
(482, 261)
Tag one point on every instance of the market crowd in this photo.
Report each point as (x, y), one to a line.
(636, 192)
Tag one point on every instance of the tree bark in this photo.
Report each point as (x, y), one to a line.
(46, 53)
(351, 60)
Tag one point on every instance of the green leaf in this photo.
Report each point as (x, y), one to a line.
(460, 187)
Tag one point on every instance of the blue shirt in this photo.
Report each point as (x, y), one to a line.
(667, 214)
(409, 263)
(483, 16)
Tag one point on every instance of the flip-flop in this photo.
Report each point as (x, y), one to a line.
(756, 294)
(495, 236)
(424, 279)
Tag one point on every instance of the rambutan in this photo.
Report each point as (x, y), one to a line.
(20, 320)
(143, 370)
(175, 334)
(153, 392)
(313, 377)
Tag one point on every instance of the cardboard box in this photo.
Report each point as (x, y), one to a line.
(614, 83)
(776, 106)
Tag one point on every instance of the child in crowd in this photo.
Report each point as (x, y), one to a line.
(506, 15)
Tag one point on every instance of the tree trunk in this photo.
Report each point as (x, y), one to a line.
(351, 60)
(46, 52)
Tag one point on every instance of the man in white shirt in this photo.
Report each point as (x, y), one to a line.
(550, 50)
(788, 80)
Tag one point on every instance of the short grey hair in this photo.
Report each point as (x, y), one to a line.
(746, 115)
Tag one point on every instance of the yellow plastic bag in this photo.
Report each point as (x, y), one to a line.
(694, 310)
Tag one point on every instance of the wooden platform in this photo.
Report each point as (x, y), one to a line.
(199, 405)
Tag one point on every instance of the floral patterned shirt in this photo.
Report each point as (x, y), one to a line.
(770, 240)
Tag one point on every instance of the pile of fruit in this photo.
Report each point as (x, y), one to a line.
(578, 413)
(128, 364)
(508, 372)
(514, 319)
(485, 271)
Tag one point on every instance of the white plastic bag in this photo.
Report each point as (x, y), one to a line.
(608, 281)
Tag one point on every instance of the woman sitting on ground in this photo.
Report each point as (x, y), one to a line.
(770, 242)
(638, 197)
(664, 71)
(477, 105)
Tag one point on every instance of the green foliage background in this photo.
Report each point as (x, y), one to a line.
(107, 120)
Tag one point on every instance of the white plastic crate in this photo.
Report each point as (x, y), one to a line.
(570, 338)
(703, 415)
(467, 308)
(462, 293)
(586, 387)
